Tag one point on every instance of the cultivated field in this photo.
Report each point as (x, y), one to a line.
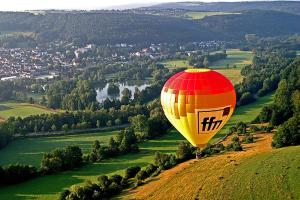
(201, 15)
(12, 109)
(258, 172)
(50, 186)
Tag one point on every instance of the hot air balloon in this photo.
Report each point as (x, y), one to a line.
(198, 103)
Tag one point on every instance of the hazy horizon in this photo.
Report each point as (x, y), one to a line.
(21, 5)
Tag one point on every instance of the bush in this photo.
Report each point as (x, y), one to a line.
(116, 178)
(235, 139)
(141, 175)
(248, 139)
(132, 171)
(254, 128)
(150, 169)
(17, 173)
(185, 151)
(164, 161)
(288, 133)
(235, 146)
(212, 149)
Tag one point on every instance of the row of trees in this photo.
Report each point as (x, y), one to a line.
(107, 187)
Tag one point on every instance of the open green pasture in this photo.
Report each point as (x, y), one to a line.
(14, 109)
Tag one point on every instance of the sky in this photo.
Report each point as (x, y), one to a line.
(19, 5)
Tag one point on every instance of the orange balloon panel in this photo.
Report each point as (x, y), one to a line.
(198, 103)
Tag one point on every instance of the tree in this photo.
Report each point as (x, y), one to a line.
(205, 62)
(140, 126)
(184, 151)
(288, 133)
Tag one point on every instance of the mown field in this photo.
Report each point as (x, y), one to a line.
(259, 172)
(173, 64)
(14, 109)
(31, 150)
(201, 15)
(234, 57)
(50, 186)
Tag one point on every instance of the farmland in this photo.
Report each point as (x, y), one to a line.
(31, 150)
(13, 109)
(201, 15)
(258, 172)
(50, 186)
(226, 67)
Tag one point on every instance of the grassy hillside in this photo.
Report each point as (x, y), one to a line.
(9, 109)
(259, 172)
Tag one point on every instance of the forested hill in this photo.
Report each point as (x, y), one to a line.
(262, 23)
(283, 6)
(106, 27)
(125, 27)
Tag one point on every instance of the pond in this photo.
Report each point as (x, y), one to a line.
(102, 92)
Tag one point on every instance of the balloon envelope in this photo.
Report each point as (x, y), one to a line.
(198, 103)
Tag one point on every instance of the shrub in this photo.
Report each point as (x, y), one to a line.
(17, 173)
(248, 139)
(185, 151)
(132, 171)
(116, 178)
(235, 146)
(141, 175)
(212, 149)
(254, 128)
(150, 169)
(235, 139)
(288, 133)
(164, 161)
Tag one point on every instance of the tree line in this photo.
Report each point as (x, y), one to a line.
(285, 111)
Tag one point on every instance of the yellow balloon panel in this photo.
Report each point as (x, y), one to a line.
(198, 117)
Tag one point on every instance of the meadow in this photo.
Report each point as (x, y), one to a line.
(201, 15)
(14, 109)
(31, 150)
(173, 64)
(50, 186)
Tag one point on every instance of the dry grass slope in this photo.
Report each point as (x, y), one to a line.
(258, 172)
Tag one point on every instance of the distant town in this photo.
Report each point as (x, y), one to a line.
(55, 58)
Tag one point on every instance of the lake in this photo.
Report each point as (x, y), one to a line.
(102, 92)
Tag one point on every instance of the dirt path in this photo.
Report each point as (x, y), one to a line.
(196, 178)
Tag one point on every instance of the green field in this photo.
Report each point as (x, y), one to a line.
(11, 109)
(274, 175)
(234, 57)
(50, 186)
(173, 64)
(31, 150)
(201, 15)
